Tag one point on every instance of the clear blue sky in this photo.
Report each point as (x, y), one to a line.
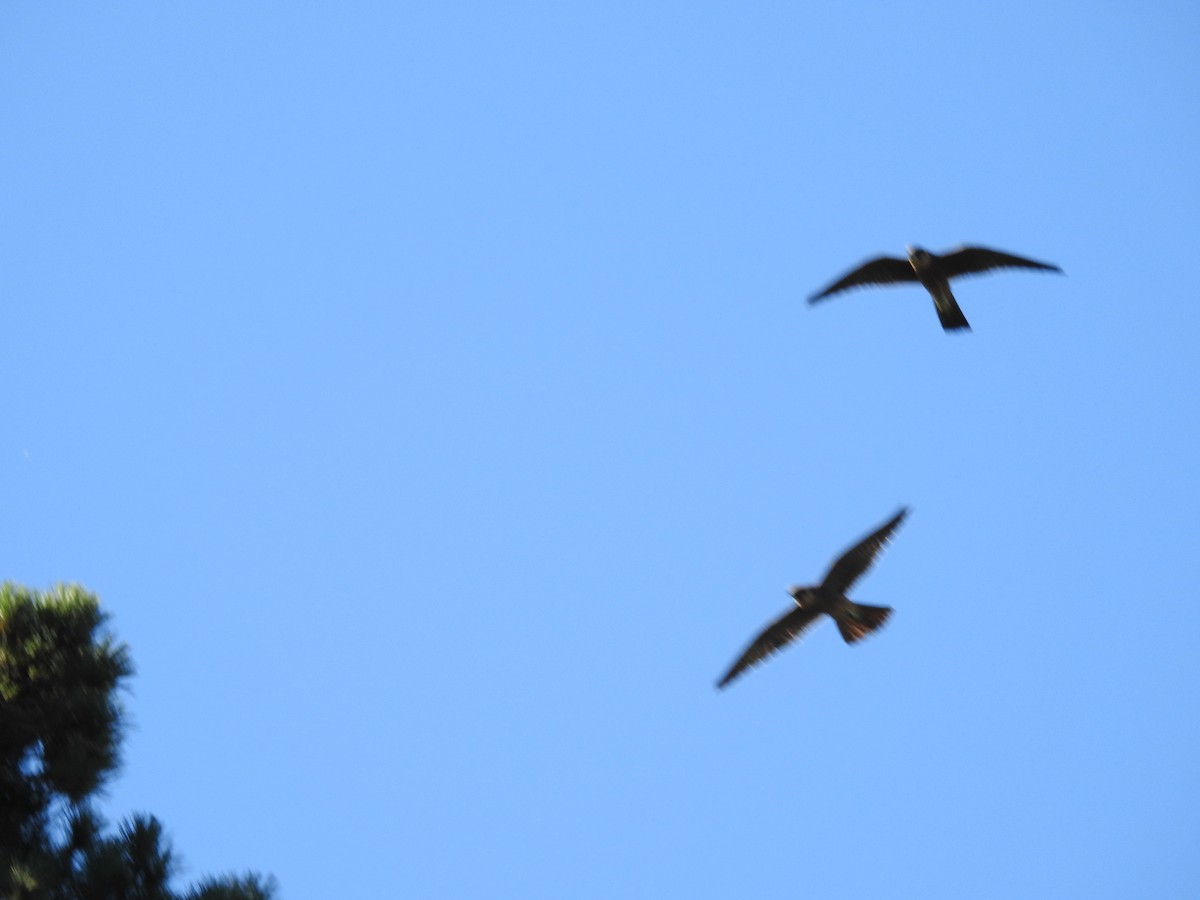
(428, 392)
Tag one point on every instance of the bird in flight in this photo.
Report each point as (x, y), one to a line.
(934, 273)
(854, 620)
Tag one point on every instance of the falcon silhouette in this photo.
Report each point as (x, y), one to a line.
(854, 620)
(934, 272)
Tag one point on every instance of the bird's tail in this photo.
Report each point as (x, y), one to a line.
(856, 620)
(950, 314)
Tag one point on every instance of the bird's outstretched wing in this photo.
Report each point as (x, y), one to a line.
(774, 637)
(881, 270)
(973, 260)
(851, 565)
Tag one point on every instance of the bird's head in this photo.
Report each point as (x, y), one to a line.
(917, 255)
(800, 594)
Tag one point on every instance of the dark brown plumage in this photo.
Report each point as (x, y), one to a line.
(934, 273)
(854, 620)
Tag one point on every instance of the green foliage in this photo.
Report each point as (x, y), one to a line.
(58, 681)
(60, 733)
(248, 887)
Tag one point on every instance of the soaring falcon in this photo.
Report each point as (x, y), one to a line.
(854, 620)
(934, 272)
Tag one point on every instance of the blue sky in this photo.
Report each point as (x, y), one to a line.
(430, 396)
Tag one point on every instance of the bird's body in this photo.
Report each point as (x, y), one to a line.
(854, 620)
(934, 280)
(933, 272)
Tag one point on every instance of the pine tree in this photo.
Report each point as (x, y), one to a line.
(60, 733)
